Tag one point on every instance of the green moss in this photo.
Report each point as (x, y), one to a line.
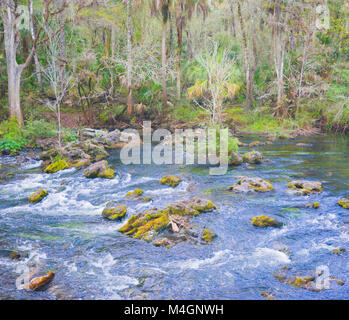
(171, 181)
(57, 166)
(146, 226)
(208, 235)
(107, 174)
(135, 193)
(38, 196)
(264, 221)
(344, 203)
(115, 214)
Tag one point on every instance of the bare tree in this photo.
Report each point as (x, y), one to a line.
(53, 74)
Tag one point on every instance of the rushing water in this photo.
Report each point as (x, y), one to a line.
(92, 260)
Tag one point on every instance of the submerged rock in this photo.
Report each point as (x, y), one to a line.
(208, 235)
(338, 251)
(38, 196)
(344, 203)
(164, 242)
(314, 205)
(264, 222)
(137, 195)
(100, 170)
(235, 159)
(114, 213)
(256, 144)
(174, 220)
(304, 187)
(253, 157)
(57, 166)
(171, 181)
(40, 282)
(246, 184)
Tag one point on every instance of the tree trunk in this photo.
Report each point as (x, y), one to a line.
(231, 5)
(279, 59)
(179, 24)
(164, 62)
(129, 60)
(36, 58)
(14, 70)
(248, 71)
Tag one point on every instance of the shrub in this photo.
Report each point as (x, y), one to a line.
(35, 129)
(12, 135)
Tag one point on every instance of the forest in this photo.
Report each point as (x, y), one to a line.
(277, 67)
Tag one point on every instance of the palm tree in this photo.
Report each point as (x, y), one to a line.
(184, 10)
(163, 7)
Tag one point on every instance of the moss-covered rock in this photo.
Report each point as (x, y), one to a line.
(135, 193)
(208, 235)
(38, 196)
(100, 170)
(50, 154)
(253, 157)
(264, 222)
(246, 184)
(40, 282)
(164, 242)
(190, 207)
(339, 251)
(114, 213)
(235, 159)
(171, 181)
(174, 220)
(57, 166)
(314, 205)
(304, 187)
(146, 226)
(344, 203)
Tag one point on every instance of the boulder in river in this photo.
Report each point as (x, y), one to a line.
(339, 251)
(253, 157)
(246, 184)
(264, 222)
(100, 170)
(235, 159)
(38, 196)
(174, 220)
(304, 187)
(171, 181)
(137, 195)
(114, 212)
(314, 205)
(40, 283)
(57, 166)
(208, 235)
(344, 203)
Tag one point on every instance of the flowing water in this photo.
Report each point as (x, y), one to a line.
(92, 260)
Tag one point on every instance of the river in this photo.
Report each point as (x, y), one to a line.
(92, 260)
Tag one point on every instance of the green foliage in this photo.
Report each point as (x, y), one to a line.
(69, 135)
(110, 114)
(35, 129)
(11, 135)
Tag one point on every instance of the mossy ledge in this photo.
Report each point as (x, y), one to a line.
(38, 196)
